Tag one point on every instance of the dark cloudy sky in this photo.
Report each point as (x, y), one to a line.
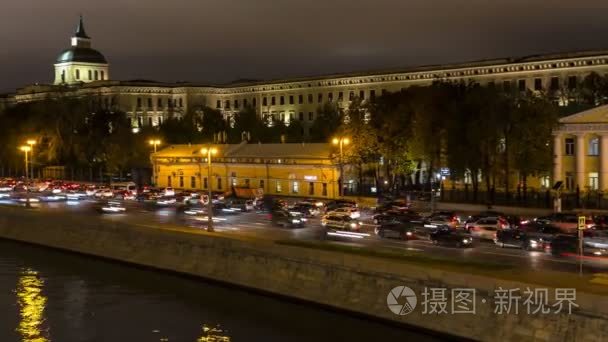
(222, 40)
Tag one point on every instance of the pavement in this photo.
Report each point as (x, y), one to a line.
(258, 225)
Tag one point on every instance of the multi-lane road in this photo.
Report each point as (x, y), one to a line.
(258, 225)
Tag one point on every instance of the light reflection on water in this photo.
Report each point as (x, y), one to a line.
(32, 303)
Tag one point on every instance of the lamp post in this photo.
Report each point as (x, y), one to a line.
(341, 141)
(25, 149)
(208, 152)
(154, 142)
(31, 143)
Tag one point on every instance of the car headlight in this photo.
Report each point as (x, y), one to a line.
(408, 233)
(465, 240)
(533, 242)
(295, 221)
(353, 225)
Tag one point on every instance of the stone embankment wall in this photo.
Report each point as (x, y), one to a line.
(349, 282)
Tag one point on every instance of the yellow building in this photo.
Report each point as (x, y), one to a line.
(305, 170)
(581, 150)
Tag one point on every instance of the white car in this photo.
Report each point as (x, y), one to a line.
(486, 228)
(104, 193)
(354, 213)
(168, 192)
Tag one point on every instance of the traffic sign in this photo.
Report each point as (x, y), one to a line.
(582, 221)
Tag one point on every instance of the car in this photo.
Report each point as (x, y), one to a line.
(287, 219)
(244, 205)
(167, 192)
(396, 216)
(306, 208)
(486, 228)
(593, 244)
(104, 193)
(335, 204)
(567, 222)
(111, 207)
(403, 231)
(124, 195)
(350, 211)
(445, 218)
(341, 222)
(531, 236)
(451, 237)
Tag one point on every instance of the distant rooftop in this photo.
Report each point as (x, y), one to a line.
(252, 150)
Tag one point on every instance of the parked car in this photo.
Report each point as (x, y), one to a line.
(104, 193)
(168, 191)
(445, 218)
(397, 216)
(335, 204)
(242, 204)
(350, 211)
(341, 222)
(451, 237)
(306, 208)
(486, 228)
(287, 219)
(531, 236)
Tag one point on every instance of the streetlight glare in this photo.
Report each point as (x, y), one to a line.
(154, 142)
(335, 141)
(346, 141)
(31, 142)
(25, 148)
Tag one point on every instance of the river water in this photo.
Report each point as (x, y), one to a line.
(47, 295)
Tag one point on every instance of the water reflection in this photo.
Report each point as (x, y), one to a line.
(31, 304)
(213, 334)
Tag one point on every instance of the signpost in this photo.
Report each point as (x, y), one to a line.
(582, 221)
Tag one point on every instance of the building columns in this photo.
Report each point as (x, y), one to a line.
(603, 162)
(558, 143)
(580, 161)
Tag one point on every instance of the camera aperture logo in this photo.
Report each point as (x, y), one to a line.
(401, 300)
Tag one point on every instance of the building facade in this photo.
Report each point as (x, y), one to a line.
(81, 71)
(301, 170)
(581, 150)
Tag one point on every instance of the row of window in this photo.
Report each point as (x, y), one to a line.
(93, 75)
(281, 116)
(593, 147)
(593, 179)
(555, 84)
(295, 185)
(159, 102)
(139, 121)
(291, 99)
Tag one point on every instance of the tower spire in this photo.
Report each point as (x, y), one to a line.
(80, 33)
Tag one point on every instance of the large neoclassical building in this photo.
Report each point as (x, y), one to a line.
(83, 71)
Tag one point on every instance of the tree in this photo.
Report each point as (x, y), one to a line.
(329, 118)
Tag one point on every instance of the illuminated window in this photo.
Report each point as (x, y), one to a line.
(278, 187)
(594, 183)
(594, 147)
(545, 182)
(295, 187)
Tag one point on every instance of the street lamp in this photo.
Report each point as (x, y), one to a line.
(25, 149)
(31, 143)
(341, 141)
(154, 142)
(209, 152)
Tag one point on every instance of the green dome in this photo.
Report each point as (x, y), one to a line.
(81, 54)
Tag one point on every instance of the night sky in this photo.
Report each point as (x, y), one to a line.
(216, 41)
